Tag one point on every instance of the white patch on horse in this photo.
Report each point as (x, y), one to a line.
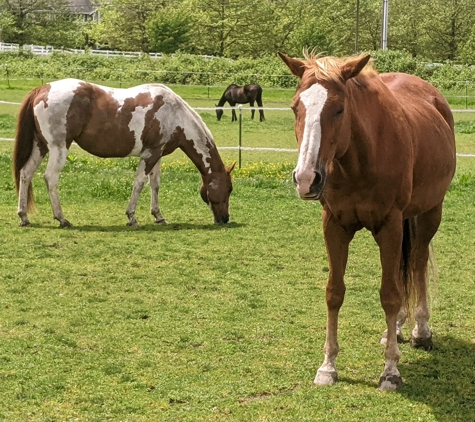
(313, 99)
(137, 125)
(52, 115)
(176, 112)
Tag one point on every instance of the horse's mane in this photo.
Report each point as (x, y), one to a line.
(329, 67)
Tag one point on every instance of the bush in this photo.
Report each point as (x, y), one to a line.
(200, 70)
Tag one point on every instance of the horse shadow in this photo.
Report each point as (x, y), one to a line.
(145, 227)
(443, 379)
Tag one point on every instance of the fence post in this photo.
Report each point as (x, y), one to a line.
(8, 76)
(240, 135)
(466, 94)
(208, 83)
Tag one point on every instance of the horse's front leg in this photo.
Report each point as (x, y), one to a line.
(233, 112)
(389, 239)
(337, 240)
(56, 161)
(154, 178)
(253, 110)
(140, 180)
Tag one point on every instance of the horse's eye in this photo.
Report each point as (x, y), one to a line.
(339, 112)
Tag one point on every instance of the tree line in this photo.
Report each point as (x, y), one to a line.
(433, 30)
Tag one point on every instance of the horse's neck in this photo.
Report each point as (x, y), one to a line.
(361, 130)
(222, 100)
(203, 153)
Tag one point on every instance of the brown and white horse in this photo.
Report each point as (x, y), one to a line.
(378, 152)
(148, 121)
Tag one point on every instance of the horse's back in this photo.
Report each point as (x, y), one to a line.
(413, 91)
(107, 122)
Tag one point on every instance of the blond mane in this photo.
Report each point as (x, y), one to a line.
(329, 67)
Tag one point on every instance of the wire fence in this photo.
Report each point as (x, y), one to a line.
(240, 148)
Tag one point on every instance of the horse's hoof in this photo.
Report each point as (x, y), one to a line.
(422, 343)
(25, 223)
(161, 221)
(326, 377)
(65, 224)
(390, 382)
(133, 223)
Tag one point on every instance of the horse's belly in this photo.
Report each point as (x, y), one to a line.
(107, 142)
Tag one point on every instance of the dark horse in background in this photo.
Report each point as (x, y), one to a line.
(235, 94)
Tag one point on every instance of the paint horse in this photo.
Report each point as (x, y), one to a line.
(235, 94)
(378, 152)
(148, 121)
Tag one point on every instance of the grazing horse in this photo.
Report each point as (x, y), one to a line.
(235, 94)
(148, 121)
(378, 152)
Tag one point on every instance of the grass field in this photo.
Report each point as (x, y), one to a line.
(197, 322)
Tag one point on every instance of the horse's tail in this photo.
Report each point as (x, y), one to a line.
(410, 290)
(407, 267)
(25, 135)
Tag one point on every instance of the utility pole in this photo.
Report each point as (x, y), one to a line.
(384, 35)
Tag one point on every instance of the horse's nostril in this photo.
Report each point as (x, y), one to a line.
(294, 178)
(317, 179)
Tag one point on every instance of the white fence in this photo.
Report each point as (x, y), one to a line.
(47, 50)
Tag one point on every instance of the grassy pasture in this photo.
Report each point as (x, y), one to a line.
(195, 322)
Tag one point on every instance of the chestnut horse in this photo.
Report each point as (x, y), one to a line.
(235, 94)
(378, 152)
(147, 121)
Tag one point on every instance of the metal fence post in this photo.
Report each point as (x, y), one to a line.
(240, 135)
(8, 75)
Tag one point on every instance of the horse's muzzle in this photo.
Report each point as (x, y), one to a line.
(222, 219)
(310, 188)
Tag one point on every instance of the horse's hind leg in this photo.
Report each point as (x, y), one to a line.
(140, 180)
(26, 176)
(261, 111)
(56, 161)
(426, 227)
(154, 177)
(253, 110)
(401, 319)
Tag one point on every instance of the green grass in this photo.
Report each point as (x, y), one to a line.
(197, 322)
(193, 321)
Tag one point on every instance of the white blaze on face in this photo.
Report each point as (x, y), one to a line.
(313, 99)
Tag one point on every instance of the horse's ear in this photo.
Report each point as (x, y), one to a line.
(297, 67)
(354, 66)
(231, 168)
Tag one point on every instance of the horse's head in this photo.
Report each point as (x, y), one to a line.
(219, 112)
(215, 191)
(322, 120)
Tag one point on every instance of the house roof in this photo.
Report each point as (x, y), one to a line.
(81, 6)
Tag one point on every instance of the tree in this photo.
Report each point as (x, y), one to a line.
(170, 30)
(39, 22)
(124, 24)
